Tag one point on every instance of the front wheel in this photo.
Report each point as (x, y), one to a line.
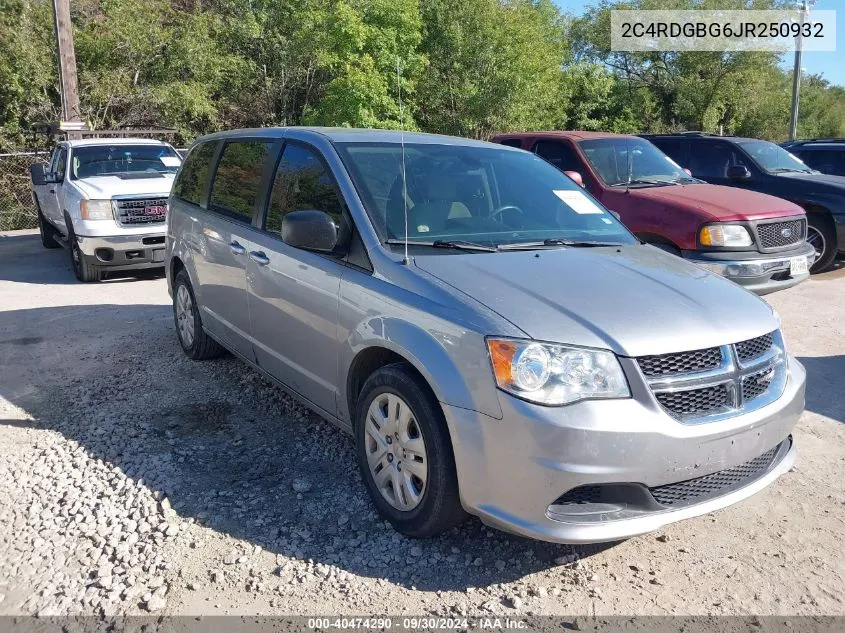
(822, 237)
(405, 453)
(84, 271)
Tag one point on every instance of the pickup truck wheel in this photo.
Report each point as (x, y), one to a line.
(47, 232)
(821, 236)
(196, 344)
(405, 453)
(84, 271)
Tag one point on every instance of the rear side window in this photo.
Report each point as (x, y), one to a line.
(511, 142)
(190, 184)
(237, 182)
(558, 154)
(302, 183)
(711, 160)
(674, 149)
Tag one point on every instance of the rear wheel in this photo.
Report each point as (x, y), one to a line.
(196, 344)
(821, 235)
(47, 231)
(405, 453)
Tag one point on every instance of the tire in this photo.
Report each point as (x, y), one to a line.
(418, 511)
(84, 271)
(196, 344)
(47, 231)
(821, 234)
(667, 248)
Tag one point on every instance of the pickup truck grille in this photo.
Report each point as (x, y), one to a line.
(140, 211)
(717, 382)
(780, 234)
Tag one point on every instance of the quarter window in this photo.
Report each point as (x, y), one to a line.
(302, 183)
(190, 184)
(237, 182)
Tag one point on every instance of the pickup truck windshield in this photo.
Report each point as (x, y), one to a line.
(473, 197)
(628, 160)
(773, 158)
(88, 161)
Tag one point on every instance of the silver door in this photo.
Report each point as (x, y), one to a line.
(48, 195)
(221, 259)
(293, 294)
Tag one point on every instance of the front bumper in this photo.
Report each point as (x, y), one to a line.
(124, 252)
(759, 273)
(512, 471)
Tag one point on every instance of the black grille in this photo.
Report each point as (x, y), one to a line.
(136, 211)
(777, 234)
(694, 401)
(752, 348)
(709, 486)
(756, 384)
(681, 363)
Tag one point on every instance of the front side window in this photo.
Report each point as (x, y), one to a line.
(558, 154)
(192, 180)
(484, 195)
(61, 163)
(125, 161)
(301, 183)
(772, 158)
(237, 182)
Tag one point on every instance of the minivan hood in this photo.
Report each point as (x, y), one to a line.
(636, 300)
(108, 186)
(718, 202)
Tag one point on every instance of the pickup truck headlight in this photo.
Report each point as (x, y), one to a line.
(724, 235)
(95, 210)
(552, 374)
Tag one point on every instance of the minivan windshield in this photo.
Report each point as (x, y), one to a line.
(123, 160)
(626, 160)
(466, 197)
(773, 158)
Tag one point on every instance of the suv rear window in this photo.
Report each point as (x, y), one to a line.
(237, 182)
(191, 181)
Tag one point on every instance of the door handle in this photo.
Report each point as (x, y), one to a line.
(52, 191)
(259, 258)
(237, 249)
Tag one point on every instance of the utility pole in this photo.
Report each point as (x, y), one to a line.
(67, 68)
(804, 9)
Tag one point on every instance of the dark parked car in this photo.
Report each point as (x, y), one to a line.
(757, 165)
(752, 239)
(826, 155)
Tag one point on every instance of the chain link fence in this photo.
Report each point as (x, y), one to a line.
(17, 210)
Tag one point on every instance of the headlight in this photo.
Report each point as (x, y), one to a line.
(555, 374)
(724, 235)
(95, 209)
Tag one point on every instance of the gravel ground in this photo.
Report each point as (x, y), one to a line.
(136, 481)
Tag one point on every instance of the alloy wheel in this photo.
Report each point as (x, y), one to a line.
(185, 315)
(396, 452)
(816, 240)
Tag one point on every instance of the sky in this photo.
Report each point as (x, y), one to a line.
(830, 65)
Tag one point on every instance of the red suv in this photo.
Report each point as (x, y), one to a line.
(754, 239)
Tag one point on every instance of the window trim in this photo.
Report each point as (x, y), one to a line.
(261, 218)
(274, 145)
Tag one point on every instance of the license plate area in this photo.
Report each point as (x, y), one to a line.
(798, 266)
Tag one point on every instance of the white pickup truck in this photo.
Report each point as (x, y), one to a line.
(106, 200)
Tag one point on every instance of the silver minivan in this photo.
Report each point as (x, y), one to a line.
(495, 340)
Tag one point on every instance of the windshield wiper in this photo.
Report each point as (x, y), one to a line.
(461, 245)
(781, 170)
(644, 181)
(556, 242)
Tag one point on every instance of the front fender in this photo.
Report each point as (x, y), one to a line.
(453, 362)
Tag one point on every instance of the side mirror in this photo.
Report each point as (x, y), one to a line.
(687, 172)
(738, 172)
(310, 230)
(574, 175)
(36, 173)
